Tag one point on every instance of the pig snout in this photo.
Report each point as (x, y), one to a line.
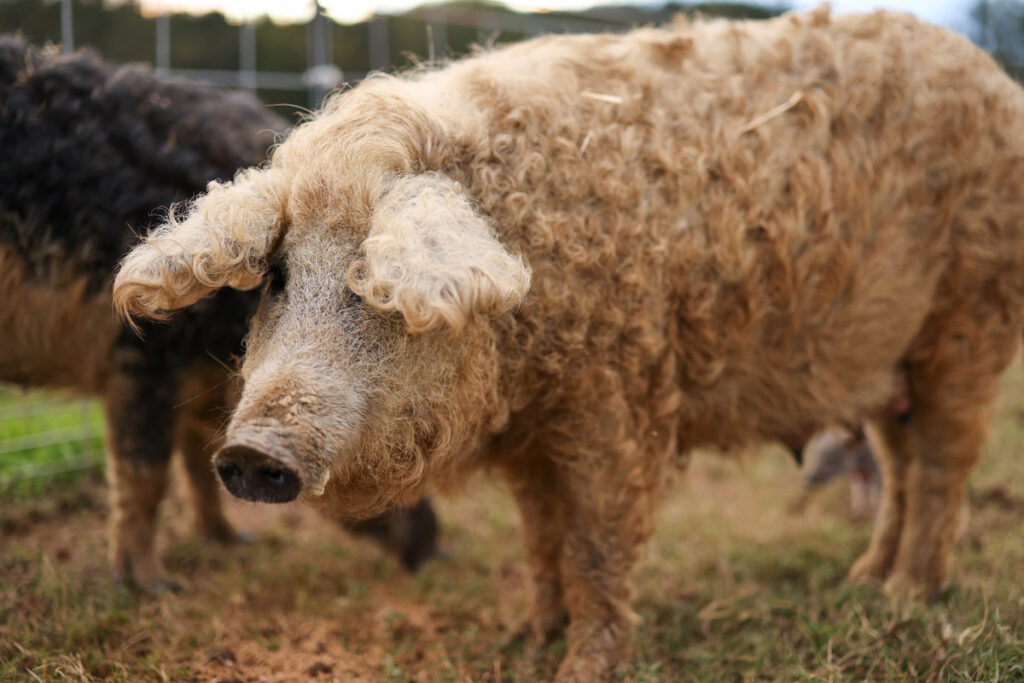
(251, 474)
(290, 423)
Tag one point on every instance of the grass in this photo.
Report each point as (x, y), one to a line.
(736, 585)
(46, 439)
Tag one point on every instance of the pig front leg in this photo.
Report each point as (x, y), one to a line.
(410, 533)
(946, 451)
(535, 487)
(945, 441)
(608, 510)
(198, 440)
(138, 402)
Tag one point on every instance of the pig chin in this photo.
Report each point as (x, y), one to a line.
(360, 497)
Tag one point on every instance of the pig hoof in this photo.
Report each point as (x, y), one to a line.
(233, 537)
(538, 630)
(244, 537)
(139, 572)
(228, 535)
(576, 669)
(868, 569)
(154, 587)
(903, 588)
(164, 586)
(257, 477)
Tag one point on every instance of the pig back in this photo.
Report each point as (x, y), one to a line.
(779, 206)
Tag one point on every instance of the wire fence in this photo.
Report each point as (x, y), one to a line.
(322, 74)
(45, 436)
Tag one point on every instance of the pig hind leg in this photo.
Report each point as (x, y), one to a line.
(888, 438)
(925, 463)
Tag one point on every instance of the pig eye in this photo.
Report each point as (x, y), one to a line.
(276, 278)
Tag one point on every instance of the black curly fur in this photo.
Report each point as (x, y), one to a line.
(92, 156)
(90, 149)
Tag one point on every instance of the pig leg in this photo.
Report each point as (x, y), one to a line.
(138, 402)
(197, 442)
(946, 441)
(954, 382)
(888, 438)
(421, 531)
(409, 532)
(945, 451)
(608, 519)
(535, 489)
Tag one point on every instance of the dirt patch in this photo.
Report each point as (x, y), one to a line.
(1000, 498)
(293, 649)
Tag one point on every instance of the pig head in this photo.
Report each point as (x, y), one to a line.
(370, 364)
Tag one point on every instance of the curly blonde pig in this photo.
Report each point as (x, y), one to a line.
(575, 258)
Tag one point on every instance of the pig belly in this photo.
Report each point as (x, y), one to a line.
(56, 332)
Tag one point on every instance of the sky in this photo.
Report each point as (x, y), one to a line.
(951, 13)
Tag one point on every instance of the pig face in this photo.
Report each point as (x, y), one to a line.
(370, 363)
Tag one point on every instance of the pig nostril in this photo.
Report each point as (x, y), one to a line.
(251, 474)
(229, 471)
(273, 475)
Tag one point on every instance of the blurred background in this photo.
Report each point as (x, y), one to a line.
(294, 51)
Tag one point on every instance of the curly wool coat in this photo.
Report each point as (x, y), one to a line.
(92, 156)
(707, 236)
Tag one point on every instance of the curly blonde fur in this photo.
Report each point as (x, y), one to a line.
(735, 232)
(432, 258)
(223, 241)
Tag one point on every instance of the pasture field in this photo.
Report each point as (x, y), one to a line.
(738, 584)
(46, 439)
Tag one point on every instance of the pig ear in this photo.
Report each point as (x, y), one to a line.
(223, 240)
(431, 257)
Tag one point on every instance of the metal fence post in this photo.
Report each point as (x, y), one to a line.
(247, 55)
(439, 36)
(67, 36)
(163, 43)
(322, 76)
(380, 50)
